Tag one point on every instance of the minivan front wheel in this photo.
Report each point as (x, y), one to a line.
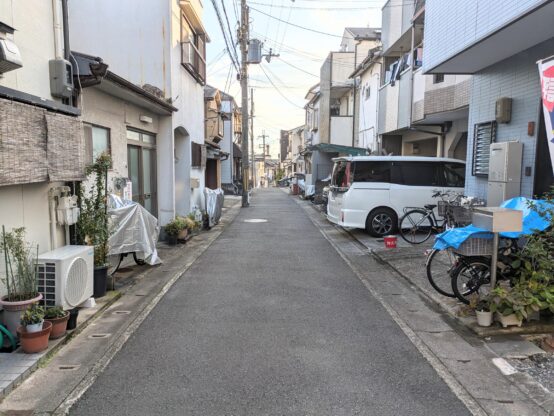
(381, 222)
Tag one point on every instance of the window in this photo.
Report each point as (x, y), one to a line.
(340, 174)
(367, 92)
(438, 78)
(193, 50)
(97, 141)
(454, 175)
(416, 173)
(484, 134)
(372, 171)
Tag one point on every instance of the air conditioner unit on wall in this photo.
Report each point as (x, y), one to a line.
(65, 276)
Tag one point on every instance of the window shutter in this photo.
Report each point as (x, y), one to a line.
(484, 135)
(196, 158)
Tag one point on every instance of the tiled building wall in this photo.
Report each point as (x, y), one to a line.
(518, 78)
(451, 26)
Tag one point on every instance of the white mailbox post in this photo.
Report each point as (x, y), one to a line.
(497, 220)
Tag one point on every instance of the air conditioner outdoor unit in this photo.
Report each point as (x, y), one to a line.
(65, 276)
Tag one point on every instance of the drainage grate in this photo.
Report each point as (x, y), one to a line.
(140, 294)
(121, 312)
(96, 336)
(255, 220)
(68, 367)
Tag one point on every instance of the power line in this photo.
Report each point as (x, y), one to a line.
(295, 25)
(230, 31)
(298, 68)
(278, 90)
(222, 27)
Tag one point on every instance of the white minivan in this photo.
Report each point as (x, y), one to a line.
(371, 192)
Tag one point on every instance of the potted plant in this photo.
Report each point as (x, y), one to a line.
(482, 310)
(58, 317)
(93, 227)
(20, 276)
(173, 228)
(34, 330)
(195, 225)
(513, 305)
(33, 318)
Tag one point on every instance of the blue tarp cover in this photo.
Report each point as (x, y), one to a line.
(532, 221)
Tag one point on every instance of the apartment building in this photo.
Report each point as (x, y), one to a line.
(419, 114)
(160, 48)
(497, 42)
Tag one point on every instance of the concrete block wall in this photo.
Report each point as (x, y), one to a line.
(518, 78)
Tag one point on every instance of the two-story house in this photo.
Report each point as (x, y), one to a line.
(499, 43)
(162, 47)
(41, 137)
(420, 115)
(367, 77)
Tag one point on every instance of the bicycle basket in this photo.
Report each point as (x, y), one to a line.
(475, 247)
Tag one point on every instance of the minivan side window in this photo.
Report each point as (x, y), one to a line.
(369, 171)
(454, 175)
(416, 173)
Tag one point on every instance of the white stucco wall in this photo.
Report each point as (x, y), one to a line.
(34, 36)
(367, 128)
(142, 44)
(106, 111)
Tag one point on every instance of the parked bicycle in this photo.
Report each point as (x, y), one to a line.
(472, 273)
(417, 224)
(440, 264)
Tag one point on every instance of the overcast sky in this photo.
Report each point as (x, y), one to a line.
(297, 48)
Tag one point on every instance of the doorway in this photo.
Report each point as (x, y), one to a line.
(544, 178)
(141, 165)
(211, 175)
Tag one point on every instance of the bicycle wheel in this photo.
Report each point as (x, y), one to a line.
(416, 226)
(114, 262)
(439, 265)
(471, 276)
(139, 259)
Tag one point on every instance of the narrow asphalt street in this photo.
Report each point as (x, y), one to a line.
(269, 321)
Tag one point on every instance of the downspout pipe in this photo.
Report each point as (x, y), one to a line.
(65, 22)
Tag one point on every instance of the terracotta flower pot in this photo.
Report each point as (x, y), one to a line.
(183, 234)
(36, 341)
(59, 326)
(14, 310)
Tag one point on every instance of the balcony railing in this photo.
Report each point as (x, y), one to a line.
(193, 60)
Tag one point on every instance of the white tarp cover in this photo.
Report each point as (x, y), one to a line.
(133, 228)
(214, 204)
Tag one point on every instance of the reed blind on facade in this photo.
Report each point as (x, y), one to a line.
(38, 146)
(484, 135)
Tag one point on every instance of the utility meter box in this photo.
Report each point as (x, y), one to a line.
(61, 78)
(503, 110)
(505, 162)
(498, 220)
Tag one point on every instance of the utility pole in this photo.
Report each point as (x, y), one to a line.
(243, 35)
(253, 156)
(263, 136)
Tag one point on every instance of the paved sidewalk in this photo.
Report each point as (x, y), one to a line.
(270, 320)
